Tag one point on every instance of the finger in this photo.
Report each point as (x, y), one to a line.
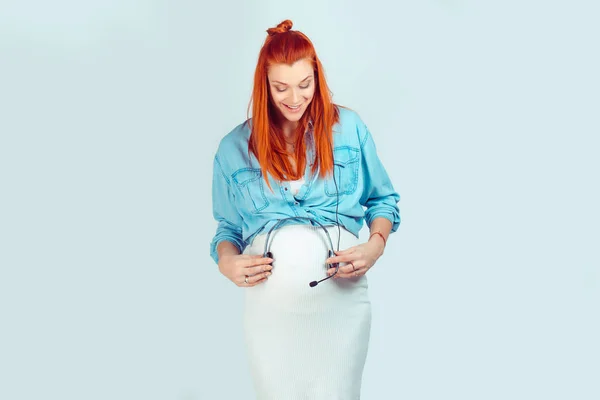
(339, 259)
(353, 274)
(258, 269)
(251, 256)
(253, 280)
(256, 260)
(345, 270)
(347, 251)
(258, 282)
(352, 266)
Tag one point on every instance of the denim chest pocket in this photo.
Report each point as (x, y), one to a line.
(250, 184)
(346, 161)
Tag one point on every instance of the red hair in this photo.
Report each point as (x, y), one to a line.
(285, 46)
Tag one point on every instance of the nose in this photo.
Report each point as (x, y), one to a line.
(295, 96)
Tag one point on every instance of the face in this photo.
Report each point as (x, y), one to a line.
(292, 88)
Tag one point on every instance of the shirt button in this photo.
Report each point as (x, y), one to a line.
(296, 203)
(285, 189)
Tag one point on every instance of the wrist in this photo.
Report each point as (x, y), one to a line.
(227, 249)
(378, 241)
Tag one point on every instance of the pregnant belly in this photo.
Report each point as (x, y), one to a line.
(299, 253)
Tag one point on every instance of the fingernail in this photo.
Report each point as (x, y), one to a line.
(268, 274)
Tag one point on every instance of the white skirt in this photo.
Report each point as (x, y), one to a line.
(306, 342)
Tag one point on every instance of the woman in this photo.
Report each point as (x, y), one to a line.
(301, 156)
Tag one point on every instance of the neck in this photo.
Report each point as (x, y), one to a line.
(289, 129)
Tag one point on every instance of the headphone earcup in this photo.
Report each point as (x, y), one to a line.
(332, 254)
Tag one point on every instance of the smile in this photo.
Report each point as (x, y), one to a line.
(295, 108)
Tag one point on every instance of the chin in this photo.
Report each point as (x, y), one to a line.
(294, 117)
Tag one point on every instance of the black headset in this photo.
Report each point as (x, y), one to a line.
(330, 252)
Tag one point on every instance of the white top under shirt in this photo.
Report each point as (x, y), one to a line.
(295, 185)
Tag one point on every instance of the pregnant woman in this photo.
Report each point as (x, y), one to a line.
(292, 187)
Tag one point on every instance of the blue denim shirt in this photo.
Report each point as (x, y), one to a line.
(244, 206)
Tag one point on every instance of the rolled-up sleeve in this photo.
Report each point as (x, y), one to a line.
(225, 213)
(379, 196)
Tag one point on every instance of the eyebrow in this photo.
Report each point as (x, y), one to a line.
(281, 83)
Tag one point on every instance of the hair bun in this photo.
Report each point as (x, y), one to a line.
(282, 27)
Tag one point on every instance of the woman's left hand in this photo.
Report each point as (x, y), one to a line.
(359, 258)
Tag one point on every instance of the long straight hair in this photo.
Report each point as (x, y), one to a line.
(285, 46)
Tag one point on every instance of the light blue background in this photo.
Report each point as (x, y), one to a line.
(486, 115)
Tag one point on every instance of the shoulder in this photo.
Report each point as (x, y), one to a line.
(232, 153)
(348, 116)
(351, 123)
(235, 140)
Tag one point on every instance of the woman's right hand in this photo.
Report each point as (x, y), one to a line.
(237, 267)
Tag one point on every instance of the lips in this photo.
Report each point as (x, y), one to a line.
(293, 109)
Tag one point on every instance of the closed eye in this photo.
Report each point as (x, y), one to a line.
(280, 90)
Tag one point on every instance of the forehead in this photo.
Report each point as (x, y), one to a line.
(290, 74)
